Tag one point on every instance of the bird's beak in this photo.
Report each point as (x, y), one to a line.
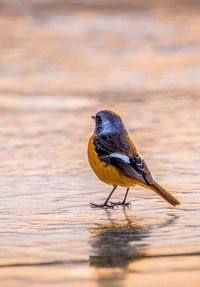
(93, 117)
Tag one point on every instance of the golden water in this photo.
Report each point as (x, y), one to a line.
(57, 70)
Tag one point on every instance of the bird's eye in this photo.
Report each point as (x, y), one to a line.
(98, 119)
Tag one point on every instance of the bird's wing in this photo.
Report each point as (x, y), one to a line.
(119, 153)
(133, 167)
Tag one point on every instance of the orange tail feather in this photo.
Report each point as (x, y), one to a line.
(165, 194)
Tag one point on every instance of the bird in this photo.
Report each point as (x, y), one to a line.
(117, 162)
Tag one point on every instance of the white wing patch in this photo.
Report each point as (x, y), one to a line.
(124, 157)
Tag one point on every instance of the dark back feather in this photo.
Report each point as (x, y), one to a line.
(136, 168)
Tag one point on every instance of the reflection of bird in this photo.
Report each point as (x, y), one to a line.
(110, 244)
(116, 161)
(117, 243)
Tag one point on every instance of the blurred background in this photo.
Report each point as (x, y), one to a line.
(61, 47)
(61, 62)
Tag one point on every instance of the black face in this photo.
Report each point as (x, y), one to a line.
(108, 122)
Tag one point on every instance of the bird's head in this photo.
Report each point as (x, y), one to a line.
(108, 122)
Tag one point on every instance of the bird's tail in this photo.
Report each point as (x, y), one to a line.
(164, 193)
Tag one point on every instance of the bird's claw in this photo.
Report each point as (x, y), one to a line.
(124, 204)
(94, 205)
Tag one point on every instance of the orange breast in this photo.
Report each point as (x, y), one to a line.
(109, 174)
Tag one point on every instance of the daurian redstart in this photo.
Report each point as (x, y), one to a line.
(116, 161)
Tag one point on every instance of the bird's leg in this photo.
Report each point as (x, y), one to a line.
(123, 203)
(105, 204)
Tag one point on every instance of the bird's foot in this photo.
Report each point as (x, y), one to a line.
(104, 205)
(124, 204)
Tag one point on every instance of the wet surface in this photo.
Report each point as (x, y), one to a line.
(56, 71)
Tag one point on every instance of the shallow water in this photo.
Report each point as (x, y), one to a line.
(49, 235)
(46, 186)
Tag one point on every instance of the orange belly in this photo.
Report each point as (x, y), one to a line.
(109, 174)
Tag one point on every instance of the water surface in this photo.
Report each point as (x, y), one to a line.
(56, 71)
